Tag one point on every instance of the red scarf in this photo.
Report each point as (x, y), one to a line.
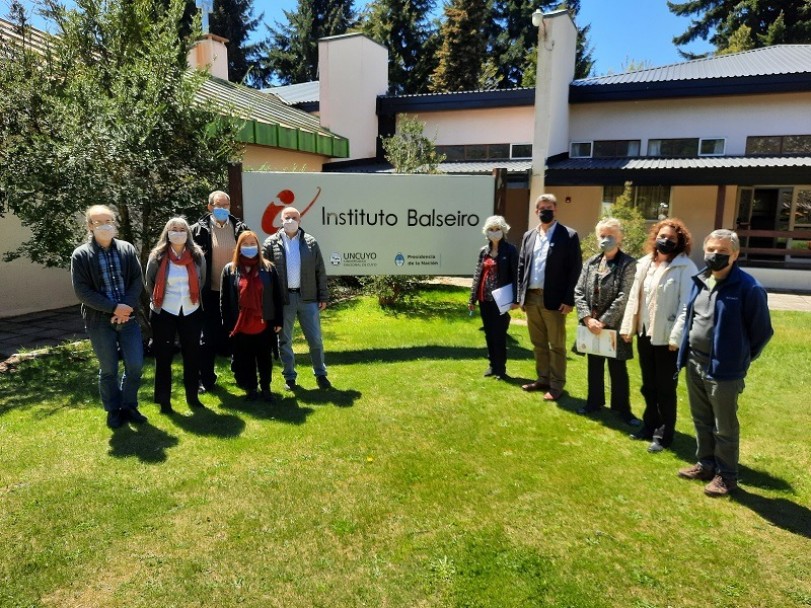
(250, 296)
(186, 260)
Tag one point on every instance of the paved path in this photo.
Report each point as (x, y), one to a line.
(41, 329)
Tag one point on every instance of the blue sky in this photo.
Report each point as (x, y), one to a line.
(621, 30)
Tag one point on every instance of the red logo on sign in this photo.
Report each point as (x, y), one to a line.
(270, 218)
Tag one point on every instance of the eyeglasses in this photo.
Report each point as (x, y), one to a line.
(97, 223)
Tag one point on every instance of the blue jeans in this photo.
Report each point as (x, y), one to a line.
(310, 321)
(106, 340)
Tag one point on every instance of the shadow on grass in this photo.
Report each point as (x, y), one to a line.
(779, 512)
(281, 410)
(335, 396)
(145, 442)
(427, 351)
(208, 423)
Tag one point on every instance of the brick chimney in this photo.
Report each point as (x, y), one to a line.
(210, 54)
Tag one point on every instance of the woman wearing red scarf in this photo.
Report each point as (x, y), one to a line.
(251, 306)
(174, 274)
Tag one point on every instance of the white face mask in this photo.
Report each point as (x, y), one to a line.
(495, 235)
(104, 232)
(177, 237)
(290, 225)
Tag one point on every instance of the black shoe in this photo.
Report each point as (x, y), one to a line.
(195, 404)
(114, 419)
(133, 415)
(267, 396)
(207, 387)
(629, 419)
(290, 384)
(323, 382)
(252, 395)
(166, 407)
(587, 410)
(641, 435)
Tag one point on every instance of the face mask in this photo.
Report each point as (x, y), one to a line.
(249, 251)
(546, 215)
(105, 232)
(494, 235)
(176, 237)
(608, 243)
(290, 225)
(716, 261)
(220, 214)
(666, 246)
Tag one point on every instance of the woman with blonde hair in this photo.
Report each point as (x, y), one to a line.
(497, 266)
(657, 306)
(251, 306)
(174, 276)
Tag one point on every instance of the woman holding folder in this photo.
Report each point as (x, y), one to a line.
(494, 288)
(600, 298)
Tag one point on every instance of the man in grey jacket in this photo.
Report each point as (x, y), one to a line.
(107, 280)
(303, 279)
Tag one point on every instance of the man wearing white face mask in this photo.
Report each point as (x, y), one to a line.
(303, 279)
(216, 233)
(107, 280)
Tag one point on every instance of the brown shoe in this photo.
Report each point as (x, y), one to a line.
(552, 394)
(538, 385)
(720, 486)
(696, 472)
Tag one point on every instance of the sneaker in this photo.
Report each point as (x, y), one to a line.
(133, 415)
(323, 382)
(720, 486)
(290, 384)
(655, 447)
(114, 419)
(696, 472)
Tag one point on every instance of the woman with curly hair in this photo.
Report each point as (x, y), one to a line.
(657, 305)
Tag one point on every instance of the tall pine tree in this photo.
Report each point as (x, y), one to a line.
(728, 23)
(464, 47)
(290, 54)
(234, 20)
(404, 28)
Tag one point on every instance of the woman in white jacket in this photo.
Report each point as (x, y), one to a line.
(656, 311)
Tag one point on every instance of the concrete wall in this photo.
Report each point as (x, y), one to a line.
(276, 159)
(353, 70)
(731, 118)
(28, 287)
(492, 126)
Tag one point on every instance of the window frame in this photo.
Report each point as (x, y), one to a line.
(580, 143)
(514, 157)
(701, 140)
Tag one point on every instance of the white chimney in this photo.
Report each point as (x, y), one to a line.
(209, 54)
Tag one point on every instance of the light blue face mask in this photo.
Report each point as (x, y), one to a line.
(249, 251)
(220, 214)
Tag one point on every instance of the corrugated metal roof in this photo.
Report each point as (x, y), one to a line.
(767, 61)
(292, 94)
(36, 39)
(704, 162)
(253, 104)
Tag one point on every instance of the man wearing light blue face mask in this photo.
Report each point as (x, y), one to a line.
(216, 233)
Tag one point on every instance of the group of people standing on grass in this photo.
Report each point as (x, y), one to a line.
(714, 322)
(215, 289)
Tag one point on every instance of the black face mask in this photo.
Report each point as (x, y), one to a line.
(716, 261)
(666, 246)
(546, 215)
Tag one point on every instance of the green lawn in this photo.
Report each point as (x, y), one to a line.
(416, 482)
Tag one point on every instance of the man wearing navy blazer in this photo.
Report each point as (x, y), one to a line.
(548, 269)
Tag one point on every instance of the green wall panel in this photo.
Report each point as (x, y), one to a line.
(288, 138)
(266, 135)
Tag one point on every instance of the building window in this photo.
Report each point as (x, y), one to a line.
(520, 151)
(653, 202)
(476, 152)
(673, 147)
(580, 149)
(776, 145)
(712, 147)
(616, 147)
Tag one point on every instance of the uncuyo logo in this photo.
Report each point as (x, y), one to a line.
(271, 221)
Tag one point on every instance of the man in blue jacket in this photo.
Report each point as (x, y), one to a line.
(727, 326)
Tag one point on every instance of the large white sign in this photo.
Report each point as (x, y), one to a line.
(378, 224)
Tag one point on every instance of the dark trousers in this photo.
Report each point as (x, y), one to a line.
(495, 334)
(620, 390)
(252, 352)
(165, 326)
(213, 340)
(659, 380)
